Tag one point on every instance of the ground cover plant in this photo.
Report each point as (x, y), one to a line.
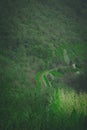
(43, 65)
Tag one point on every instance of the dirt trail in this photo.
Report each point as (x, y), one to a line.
(46, 73)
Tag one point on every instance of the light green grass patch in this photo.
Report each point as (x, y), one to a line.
(56, 73)
(38, 79)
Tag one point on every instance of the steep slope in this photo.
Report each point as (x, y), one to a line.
(33, 36)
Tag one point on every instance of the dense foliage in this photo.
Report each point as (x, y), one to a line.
(33, 36)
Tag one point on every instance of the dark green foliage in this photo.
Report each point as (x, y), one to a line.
(33, 35)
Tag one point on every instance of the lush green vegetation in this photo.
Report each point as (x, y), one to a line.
(33, 36)
(56, 73)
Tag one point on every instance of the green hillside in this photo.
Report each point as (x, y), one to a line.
(43, 65)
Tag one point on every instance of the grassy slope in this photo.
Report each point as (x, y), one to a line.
(33, 35)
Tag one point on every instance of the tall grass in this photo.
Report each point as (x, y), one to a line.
(68, 110)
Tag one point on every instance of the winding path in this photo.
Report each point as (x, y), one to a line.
(43, 77)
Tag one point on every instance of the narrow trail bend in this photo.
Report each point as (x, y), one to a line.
(43, 77)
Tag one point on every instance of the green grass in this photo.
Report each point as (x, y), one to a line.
(38, 79)
(69, 100)
(69, 108)
(33, 36)
(56, 73)
(45, 79)
(76, 52)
